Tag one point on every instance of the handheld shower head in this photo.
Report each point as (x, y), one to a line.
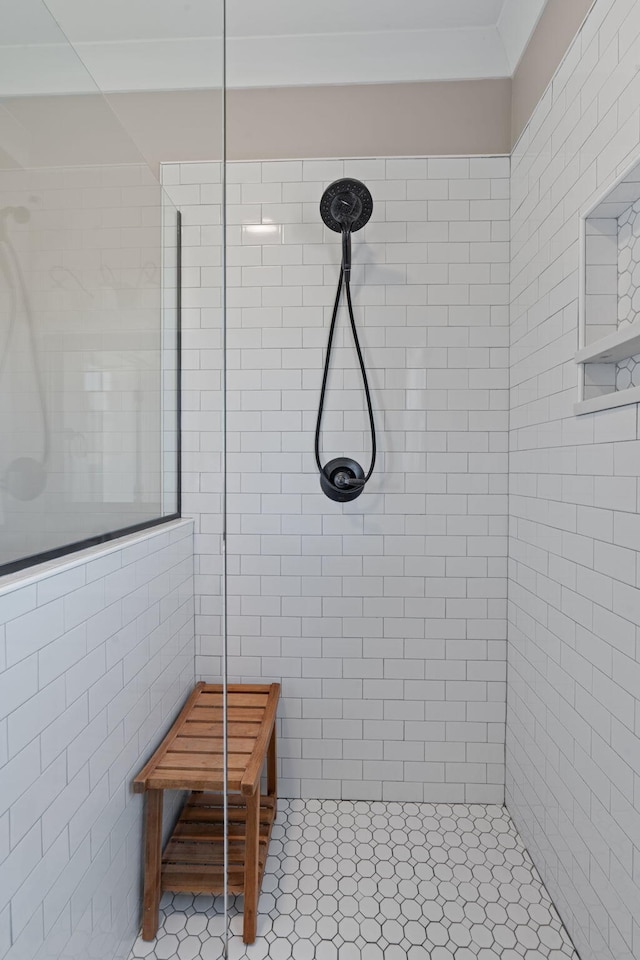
(19, 214)
(346, 206)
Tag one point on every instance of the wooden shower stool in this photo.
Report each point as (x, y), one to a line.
(190, 758)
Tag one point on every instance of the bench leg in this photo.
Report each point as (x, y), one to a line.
(251, 868)
(152, 863)
(272, 759)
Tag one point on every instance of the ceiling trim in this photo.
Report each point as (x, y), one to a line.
(122, 20)
(291, 60)
(516, 25)
(373, 57)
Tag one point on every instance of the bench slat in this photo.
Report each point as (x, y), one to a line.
(236, 762)
(235, 728)
(209, 699)
(202, 713)
(212, 745)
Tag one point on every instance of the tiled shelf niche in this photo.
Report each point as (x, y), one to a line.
(609, 326)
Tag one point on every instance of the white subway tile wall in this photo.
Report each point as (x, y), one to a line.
(384, 618)
(573, 753)
(628, 280)
(95, 662)
(600, 299)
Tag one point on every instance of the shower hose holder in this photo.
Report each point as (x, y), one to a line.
(342, 479)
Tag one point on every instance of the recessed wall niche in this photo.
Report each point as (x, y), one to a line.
(608, 354)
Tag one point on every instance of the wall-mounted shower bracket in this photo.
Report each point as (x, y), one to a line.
(342, 479)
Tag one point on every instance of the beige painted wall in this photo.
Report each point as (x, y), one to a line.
(363, 120)
(88, 129)
(415, 119)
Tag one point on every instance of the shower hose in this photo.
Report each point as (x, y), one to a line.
(10, 267)
(344, 281)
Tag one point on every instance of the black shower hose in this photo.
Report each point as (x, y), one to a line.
(13, 261)
(344, 281)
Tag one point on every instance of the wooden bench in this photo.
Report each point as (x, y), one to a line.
(191, 758)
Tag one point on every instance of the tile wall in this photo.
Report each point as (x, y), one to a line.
(573, 747)
(95, 661)
(628, 371)
(384, 618)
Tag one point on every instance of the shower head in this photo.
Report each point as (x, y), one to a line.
(19, 214)
(346, 206)
(25, 478)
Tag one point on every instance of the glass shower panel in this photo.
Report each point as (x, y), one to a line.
(88, 309)
(111, 201)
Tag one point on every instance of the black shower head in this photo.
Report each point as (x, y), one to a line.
(346, 205)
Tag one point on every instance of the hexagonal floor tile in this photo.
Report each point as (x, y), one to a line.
(353, 880)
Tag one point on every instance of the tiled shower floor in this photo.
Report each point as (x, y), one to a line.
(380, 881)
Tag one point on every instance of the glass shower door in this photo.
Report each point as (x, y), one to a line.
(111, 231)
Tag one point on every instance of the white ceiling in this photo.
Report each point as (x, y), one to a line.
(175, 44)
(28, 21)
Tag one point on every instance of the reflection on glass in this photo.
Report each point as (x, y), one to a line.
(83, 265)
(90, 391)
(88, 315)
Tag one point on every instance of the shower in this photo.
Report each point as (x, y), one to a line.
(345, 208)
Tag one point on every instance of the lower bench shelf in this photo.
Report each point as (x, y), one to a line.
(193, 860)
